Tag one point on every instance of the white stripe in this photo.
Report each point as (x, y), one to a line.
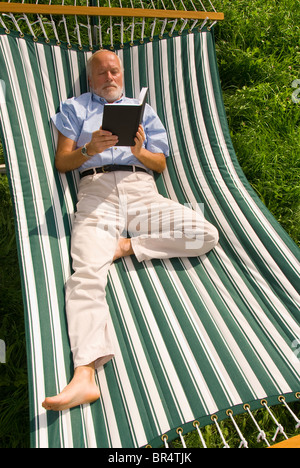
(135, 76)
(75, 74)
(88, 427)
(60, 76)
(120, 55)
(111, 422)
(150, 75)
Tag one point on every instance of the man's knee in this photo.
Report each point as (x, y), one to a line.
(205, 238)
(214, 233)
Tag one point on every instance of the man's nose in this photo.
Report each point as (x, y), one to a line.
(109, 76)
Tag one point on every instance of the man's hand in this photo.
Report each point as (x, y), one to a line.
(139, 140)
(69, 157)
(101, 141)
(154, 161)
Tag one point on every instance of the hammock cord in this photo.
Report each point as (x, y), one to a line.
(215, 420)
(243, 443)
(197, 426)
(261, 434)
(99, 31)
(280, 429)
(282, 400)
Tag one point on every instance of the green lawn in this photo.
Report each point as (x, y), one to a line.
(259, 60)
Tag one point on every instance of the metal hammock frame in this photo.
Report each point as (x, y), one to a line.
(96, 26)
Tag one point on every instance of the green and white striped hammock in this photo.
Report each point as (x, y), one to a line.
(194, 337)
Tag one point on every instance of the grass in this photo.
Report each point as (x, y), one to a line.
(259, 56)
(259, 59)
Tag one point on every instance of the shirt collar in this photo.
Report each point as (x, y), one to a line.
(103, 101)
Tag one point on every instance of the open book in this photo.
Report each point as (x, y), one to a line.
(123, 120)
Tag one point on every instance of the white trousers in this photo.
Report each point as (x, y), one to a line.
(110, 205)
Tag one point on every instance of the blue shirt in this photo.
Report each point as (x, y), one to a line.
(80, 117)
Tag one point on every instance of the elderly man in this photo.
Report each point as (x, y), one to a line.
(117, 195)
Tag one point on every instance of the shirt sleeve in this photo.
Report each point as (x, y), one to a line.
(156, 135)
(67, 121)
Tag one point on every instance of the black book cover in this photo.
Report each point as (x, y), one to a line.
(123, 120)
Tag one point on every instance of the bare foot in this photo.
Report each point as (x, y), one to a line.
(123, 249)
(82, 389)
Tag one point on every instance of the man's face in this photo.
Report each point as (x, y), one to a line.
(106, 76)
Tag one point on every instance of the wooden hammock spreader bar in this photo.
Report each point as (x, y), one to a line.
(6, 7)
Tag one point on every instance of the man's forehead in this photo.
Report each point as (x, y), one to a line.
(106, 60)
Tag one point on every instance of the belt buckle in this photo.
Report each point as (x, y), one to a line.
(103, 169)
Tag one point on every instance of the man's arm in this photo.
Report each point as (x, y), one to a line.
(69, 158)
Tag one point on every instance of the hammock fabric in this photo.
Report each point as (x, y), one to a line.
(194, 337)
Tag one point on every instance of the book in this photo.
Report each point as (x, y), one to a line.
(123, 120)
